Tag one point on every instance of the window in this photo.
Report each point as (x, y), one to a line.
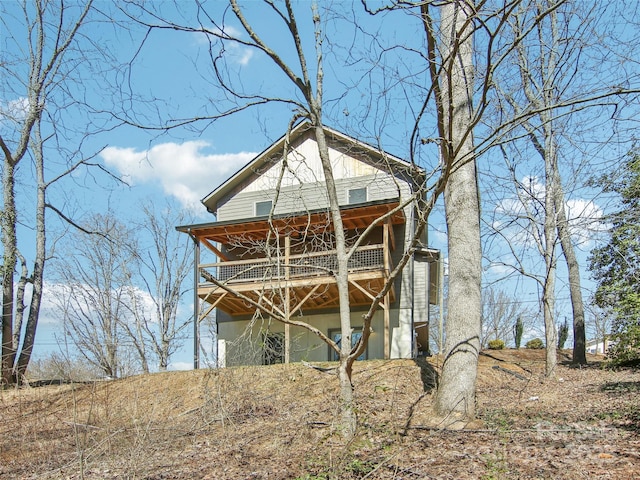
(273, 348)
(263, 208)
(357, 195)
(336, 336)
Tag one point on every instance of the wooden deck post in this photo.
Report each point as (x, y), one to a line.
(287, 300)
(196, 304)
(387, 267)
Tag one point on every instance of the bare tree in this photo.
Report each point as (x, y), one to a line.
(450, 50)
(120, 291)
(162, 269)
(95, 295)
(549, 84)
(500, 313)
(600, 327)
(43, 45)
(541, 87)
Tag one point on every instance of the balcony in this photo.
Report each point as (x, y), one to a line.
(307, 265)
(309, 278)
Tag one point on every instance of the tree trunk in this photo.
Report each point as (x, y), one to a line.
(349, 419)
(548, 306)
(163, 353)
(9, 243)
(40, 258)
(457, 386)
(548, 294)
(575, 290)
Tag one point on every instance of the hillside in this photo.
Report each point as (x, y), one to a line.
(276, 423)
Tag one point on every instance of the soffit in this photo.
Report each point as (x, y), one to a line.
(353, 218)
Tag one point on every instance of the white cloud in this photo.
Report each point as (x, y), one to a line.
(49, 314)
(55, 294)
(498, 269)
(183, 170)
(240, 55)
(585, 217)
(15, 109)
(235, 52)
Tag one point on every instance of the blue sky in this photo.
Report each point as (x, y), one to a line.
(184, 164)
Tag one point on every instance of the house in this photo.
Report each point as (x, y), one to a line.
(271, 249)
(599, 346)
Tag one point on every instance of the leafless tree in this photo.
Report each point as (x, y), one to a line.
(450, 51)
(163, 267)
(565, 104)
(119, 295)
(599, 326)
(43, 45)
(95, 295)
(500, 312)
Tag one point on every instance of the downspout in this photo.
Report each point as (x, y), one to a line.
(412, 332)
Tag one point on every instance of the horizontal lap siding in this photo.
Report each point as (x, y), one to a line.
(306, 197)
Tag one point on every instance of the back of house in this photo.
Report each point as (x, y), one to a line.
(270, 254)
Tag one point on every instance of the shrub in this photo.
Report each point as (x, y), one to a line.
(563, 334)
(496, 345)
(625, 347)
(535, 344)
(518, 331)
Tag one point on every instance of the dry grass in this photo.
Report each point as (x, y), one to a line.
(277, 422)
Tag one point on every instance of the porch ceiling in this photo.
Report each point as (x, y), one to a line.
(306, 294)
(353, 218)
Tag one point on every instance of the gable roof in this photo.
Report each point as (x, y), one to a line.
(303, 130)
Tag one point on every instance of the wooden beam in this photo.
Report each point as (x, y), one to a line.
(212, 247)
(212, 306)
(301, 302)
(262, 298)
(258, 228)
(367, 293)
(389, 231)
(298, 282)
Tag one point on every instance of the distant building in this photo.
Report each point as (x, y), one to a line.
(599, 346)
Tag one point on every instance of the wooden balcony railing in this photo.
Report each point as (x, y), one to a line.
(366, 258)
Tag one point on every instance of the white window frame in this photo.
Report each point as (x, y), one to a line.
(262, 203)
(366, 195)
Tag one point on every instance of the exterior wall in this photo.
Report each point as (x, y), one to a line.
(303, 188)
(244, 347)
(599, 346)
(410, 307)
(411, 293)
(311, 196)
(302, 185)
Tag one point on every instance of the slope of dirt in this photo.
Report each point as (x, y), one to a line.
(277, 422)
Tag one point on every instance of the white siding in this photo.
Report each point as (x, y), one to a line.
(243, 347)
(303, 188)
(304, 166)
